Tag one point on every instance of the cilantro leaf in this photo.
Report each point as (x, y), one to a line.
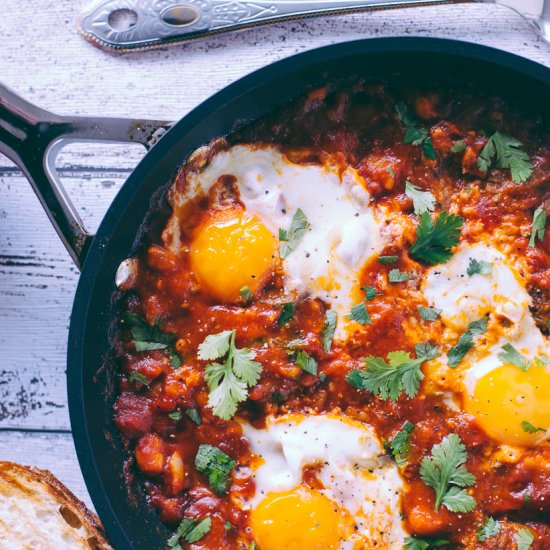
(396, 276)
(138, 377)
(298, 228)
(228, 382)
(217, 466)
(503, 151)
(529, 428)
(176, 415)
(539, 225)
(287, 313)
(399, 445)
(360, 314)
(480, 267)
(414, 134)
(434, 240)
(466, 341)
(490, 529)
(423, 201)
(388, 259)
(246, 294)
(190, 530)
(458, 146)
(444, 471)
(370, 293)
(414, 543)
(390, 379)
(510, 354)
(328, 329)
(428, 313)
(306, 362)
(428, 149)
(524, 539)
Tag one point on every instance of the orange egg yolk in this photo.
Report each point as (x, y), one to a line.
(506, 396)
(299, 519)
(231, 250)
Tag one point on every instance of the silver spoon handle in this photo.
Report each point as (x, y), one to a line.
(141, 24)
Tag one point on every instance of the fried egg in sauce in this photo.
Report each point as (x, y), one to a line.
(348, 500)
(501, 395)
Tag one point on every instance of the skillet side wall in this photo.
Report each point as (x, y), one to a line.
(421, 60)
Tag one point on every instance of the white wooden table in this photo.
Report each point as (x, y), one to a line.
(44, 59)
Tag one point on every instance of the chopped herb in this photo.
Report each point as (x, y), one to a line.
(480, 267)
(414, 543)
(149, 338)
(524, 539)
(246, 294)
(423, 201)
(228, 381)
(298, 228)
(399, 445)
(428, 313)
(458, 146)
(428, 149)
(217, 466)
(510, 354)
(228, 526)
(396, 276)
(138, 377)
(190, 530)
(370, 293)
(466, 341)
(490, 529)
(400, 373)
(176, 415)
(529, 428)
(390, 171)
(541, 361)
(194, 415)
(527, 498)
(414, 134)
(502, 151)
(306, 362)
(252, 546)
(287, 313)
(434, 240)
(360, 314)
(539, 225)
(444, 471)
(388, 259)
(328, 329)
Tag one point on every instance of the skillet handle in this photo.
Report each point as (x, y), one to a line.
(32, 138)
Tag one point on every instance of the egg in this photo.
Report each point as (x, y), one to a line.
(345, 231)
(325, 482)
(500, 395)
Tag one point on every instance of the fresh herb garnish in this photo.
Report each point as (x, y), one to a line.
(458, 146)
(190, 530)
(149, 338)
(490, 529)
(399, 445)
(529, 428)
(252, 546)
(444, 471)
(328, 329)
(434, 240)
(217, 466)
(228, 381)
(400, 373)
(306, 362)
(539, 226)
(287, 313)
(298, 228)
(138, 377)
(428, 313)
(423, 201)
(511, 355)
(370, 293)
(176, 415)
(194, 415)
(360, 314)
(246, 294)
(502, 151)
(414, 543)
(414, 134)
(388, 259)
(466, 341)
(480, 267)
(524, 539)
(396, 276)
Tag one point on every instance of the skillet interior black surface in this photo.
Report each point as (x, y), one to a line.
(133, 524)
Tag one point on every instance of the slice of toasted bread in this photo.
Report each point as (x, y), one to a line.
(38, 512)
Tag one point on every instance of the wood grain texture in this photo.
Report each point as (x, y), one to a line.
(43, 58)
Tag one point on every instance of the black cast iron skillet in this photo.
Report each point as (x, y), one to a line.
(31, 137)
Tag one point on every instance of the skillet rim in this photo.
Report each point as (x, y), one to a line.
(92, 274)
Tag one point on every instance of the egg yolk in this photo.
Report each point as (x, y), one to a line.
(505, 397)
(300, 519)
(231, 250)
